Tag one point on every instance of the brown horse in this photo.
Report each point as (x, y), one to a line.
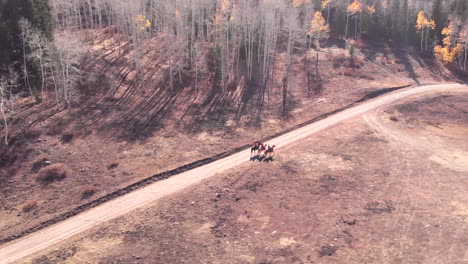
(269, 151)
(261, 149)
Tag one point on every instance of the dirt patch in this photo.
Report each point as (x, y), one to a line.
(380, 207)
(436, 123)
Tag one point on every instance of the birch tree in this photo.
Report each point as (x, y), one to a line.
(67, 68)
(25, 29)
(423, 24)
(450, 49)
(6, 97)
(355, 9)
(463, 38)
(319, 30)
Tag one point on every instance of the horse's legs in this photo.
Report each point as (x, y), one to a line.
(253, 150)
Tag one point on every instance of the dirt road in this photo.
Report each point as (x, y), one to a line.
(448, 156)
(20, 248)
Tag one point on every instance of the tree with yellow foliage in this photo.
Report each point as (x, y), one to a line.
(143, 22)
(424, 24)
(354, 9)
(449, 50)
(327, 4)
(318, 31)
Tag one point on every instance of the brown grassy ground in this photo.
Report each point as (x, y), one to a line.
(356, 193)
(102, 159)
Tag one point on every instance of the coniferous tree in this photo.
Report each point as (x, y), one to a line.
(405, 21)
(396, 21)
(42, 17)
(440, 19)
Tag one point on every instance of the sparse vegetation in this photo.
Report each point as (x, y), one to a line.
(113, 165)
(54, 172)
(29, 206)
(379, 207)
(328, 250)
(407, 108)
(67, 137)
(55, 129)
(88, 191)
(40, 163)
(355, 73)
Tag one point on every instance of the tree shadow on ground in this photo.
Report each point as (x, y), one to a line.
(126, 109)
(371, 48)
(403, 56)
(242, 101)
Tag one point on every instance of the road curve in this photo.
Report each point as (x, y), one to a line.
(44, 238)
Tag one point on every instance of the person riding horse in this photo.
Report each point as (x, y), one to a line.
(256, 146)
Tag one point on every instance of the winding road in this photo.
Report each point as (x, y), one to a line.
(17, 249)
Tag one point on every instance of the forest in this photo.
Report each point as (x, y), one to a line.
(225, 43)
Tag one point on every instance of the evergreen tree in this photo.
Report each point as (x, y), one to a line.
(42, 17)
(340, 19)
(11, 11)
(440, 19)
(404, 21)
(396, 21)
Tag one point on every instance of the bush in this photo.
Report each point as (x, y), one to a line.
(351, 51)
(67, 137)
(357, 74)
(40, 163)
(354, 63)
(338, 61)
(55, 172)
(29, 206)
(88, 191)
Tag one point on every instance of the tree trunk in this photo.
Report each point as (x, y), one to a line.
(347, 20)
(285, 91)
(317, 60)
(42, 78)
(6, 124)
(466, 55)
(2, 109)
(355, 27)
(422, 39)
(427, 34)
(25, 67)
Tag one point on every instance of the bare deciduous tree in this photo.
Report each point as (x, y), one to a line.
(6, 97)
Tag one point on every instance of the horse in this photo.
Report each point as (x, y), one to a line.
(262, 148)
(254, 149)
(269, 152)
(256, 146)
